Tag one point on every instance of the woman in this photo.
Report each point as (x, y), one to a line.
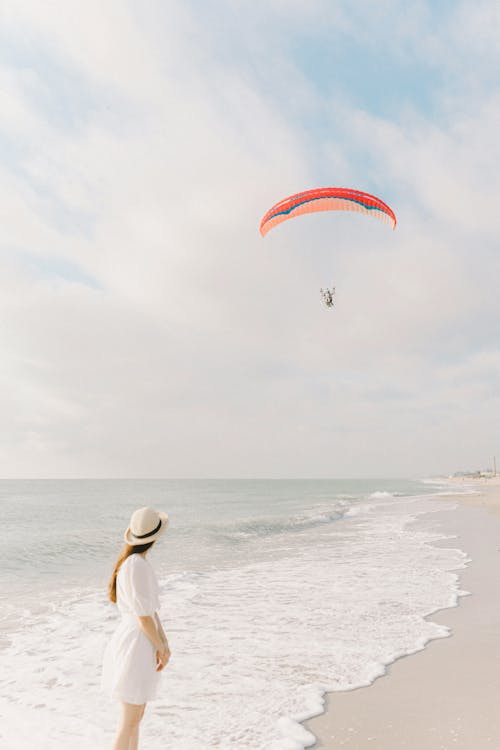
(138, 649)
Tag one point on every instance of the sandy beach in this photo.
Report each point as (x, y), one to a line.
(445, 696)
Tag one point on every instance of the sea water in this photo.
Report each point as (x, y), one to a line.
(272, 592)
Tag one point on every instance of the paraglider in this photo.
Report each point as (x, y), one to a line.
(327, 199)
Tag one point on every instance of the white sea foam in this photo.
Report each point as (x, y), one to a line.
(450, 487)
(356, 510)
(255, 645)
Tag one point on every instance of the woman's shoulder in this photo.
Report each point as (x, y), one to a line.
(134, 559)
(137, 571)
(131, 563)
(134, 567)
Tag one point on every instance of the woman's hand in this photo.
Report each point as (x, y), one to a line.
(162, 658)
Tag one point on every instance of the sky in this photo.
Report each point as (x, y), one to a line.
(148, 330)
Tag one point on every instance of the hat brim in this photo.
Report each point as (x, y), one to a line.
(133, 541)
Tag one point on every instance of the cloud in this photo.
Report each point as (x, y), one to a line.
(149, 330)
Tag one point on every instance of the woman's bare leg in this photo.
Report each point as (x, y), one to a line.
(129, 727)
(134, 737)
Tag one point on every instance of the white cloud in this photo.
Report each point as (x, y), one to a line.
(206, 350)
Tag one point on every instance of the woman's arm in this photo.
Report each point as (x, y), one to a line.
(157, 638)
(160, 630)
(149, 628)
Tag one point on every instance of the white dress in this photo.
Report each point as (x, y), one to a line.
(129, 660)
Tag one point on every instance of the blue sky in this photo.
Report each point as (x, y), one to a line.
(140, 144)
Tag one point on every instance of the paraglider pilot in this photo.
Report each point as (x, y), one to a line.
(328, 296)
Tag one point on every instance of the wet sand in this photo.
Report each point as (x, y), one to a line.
(447, 695)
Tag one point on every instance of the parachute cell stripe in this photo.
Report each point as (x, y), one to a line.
(327, 199)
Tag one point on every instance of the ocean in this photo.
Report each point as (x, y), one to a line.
(272, 592)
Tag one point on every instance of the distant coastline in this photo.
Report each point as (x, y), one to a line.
(488, 478)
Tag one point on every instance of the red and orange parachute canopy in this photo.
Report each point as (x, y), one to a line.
(327, 199)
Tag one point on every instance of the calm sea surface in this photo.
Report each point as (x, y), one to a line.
(273, 591)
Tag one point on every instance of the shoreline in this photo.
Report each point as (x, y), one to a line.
(416, 703)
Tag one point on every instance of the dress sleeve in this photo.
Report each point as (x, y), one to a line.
(142, 588)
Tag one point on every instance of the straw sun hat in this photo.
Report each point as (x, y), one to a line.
(146, 525)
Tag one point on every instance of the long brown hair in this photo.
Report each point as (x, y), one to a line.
(126, 552)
